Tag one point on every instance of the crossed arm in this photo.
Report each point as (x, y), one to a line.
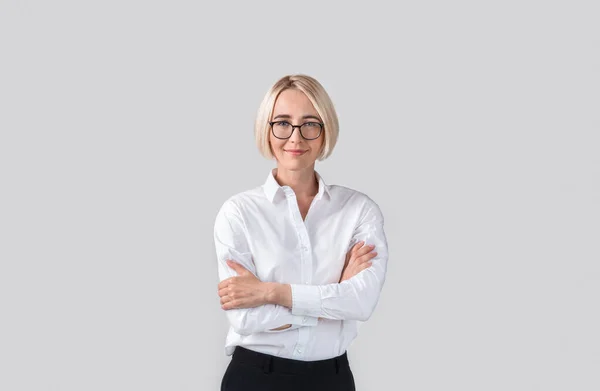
(255, 306)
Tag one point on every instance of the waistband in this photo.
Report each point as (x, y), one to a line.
(270, 363)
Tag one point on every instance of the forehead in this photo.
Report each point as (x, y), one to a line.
(293, 102)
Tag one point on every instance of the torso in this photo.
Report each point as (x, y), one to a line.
(290, 247)
(309, 250)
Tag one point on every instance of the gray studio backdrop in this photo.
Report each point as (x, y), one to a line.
(474, 125)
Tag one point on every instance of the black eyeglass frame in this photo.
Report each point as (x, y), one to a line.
(300, 129)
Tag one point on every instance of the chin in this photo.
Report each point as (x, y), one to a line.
(294, 164)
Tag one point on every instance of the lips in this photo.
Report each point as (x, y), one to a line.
(294, 152)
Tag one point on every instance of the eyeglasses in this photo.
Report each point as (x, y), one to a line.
(308, 130)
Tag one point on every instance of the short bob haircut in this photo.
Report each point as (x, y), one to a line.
(319, 99)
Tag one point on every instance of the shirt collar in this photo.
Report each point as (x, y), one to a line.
(271, 187)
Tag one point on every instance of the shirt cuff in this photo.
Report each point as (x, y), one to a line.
(306, 300)
(304, 320)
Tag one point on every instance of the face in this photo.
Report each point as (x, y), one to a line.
(295, 153)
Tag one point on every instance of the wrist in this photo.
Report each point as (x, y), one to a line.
(271, 292)
(279, 294)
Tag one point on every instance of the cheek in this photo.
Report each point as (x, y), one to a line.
(317, 147)
(276, 145)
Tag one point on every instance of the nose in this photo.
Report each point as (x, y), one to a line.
(295, 137)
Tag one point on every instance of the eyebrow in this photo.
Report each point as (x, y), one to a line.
(303, 117)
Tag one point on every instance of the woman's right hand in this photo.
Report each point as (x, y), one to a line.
(357, 259)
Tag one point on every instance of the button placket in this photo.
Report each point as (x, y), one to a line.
(303, 338)
(304, 243)
(305, 258)
(306, 255)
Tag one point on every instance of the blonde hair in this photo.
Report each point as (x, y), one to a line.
(319, 98)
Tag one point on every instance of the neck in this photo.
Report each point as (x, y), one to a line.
(303, 182)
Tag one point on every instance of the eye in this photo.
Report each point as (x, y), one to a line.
(311, 124)
(282, 123)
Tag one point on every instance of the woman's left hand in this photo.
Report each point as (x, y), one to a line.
(243, 290)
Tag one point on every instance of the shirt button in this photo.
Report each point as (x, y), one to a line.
(298, 350)
(303, 320)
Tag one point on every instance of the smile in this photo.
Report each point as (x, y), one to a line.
(294, 152)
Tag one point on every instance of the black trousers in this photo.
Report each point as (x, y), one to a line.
(254, 371)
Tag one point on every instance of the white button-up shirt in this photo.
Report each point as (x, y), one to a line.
(262, 229)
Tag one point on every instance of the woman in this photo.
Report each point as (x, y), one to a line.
(300, 262)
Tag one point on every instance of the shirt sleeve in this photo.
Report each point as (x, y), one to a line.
(231, 243)
(357, 297)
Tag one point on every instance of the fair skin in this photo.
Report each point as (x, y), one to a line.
(296, 159)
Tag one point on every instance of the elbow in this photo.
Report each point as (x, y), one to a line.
(363, 317)
(367, 295)
(365, 305)
(365, 314)
(367, 309)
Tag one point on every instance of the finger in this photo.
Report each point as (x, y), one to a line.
(230, 297)
(352, 253)
(223, 292)
(364, 250)
(357, 246)
(224, 283)
(232, 305)
(237, 267)
(366, 257)
(353, 249)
